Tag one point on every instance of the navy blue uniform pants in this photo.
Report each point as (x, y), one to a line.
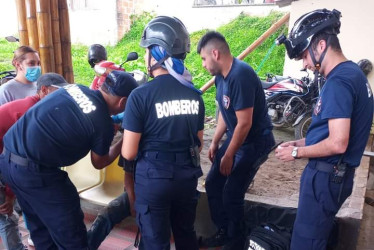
(319, 201)
(226, 193)
(166, 199)
(50, 202)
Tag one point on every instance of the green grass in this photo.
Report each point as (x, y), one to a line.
(6, 54)
(246, 30)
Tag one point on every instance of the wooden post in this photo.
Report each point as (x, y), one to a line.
(22, 25)
(56, 36)
(32, 24)
(67, 65)
(47, 57)
(254, 45)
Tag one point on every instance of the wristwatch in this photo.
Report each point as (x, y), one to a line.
(294, 152)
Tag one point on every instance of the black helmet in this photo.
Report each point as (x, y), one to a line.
(169, 33)
(96, 53)
(306, 27)
(365, 65)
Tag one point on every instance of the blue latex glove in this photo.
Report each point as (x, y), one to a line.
(117, 119)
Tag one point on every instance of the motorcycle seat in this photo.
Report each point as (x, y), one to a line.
(266, 85)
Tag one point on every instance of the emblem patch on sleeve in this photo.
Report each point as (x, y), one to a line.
(317, 108)
(226, 101)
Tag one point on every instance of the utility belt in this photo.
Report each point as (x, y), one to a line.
(24, 162)
(174, 157)
(338, 171)
(16, 159)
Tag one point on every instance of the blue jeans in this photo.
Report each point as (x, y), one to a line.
(226, 193)
(116, 211)
(9, 232)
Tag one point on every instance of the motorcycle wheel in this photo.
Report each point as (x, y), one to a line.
(302, 127)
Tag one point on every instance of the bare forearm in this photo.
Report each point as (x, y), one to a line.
(101, 161)
(114, 151)
(335, 143)
(239, 136)
(322, 149)
(129, 183)
(220, 130)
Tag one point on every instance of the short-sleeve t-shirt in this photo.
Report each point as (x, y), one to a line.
(62, 128)
(10, 112)
(346, 94)
(159, 110)
(13, 90)
(242, 89)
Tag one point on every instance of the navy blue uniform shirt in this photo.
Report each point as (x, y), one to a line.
(159, 111)
(62, 128)
(346, 94)
(239, 90)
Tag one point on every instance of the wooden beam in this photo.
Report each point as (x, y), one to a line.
(22, 24)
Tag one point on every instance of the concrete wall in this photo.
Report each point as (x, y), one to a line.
(94, 23)
(356, 33)
(205, 17)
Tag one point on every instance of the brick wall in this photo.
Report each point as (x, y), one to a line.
(126, 8)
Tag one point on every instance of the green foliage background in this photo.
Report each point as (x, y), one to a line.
(240, 33)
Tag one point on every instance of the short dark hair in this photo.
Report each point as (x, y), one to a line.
(212, 36)
(333, 43)
(50, 79)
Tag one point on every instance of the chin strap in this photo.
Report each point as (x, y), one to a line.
(156, 65)
(317, 64)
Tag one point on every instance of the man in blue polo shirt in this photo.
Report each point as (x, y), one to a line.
(243, 117)
(339, 130)
(57, 132)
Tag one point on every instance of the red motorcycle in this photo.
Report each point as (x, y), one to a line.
(103, 68)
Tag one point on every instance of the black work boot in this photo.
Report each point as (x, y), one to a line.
(216, 240)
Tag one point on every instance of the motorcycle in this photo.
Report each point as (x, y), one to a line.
(291, 101)
(7, 75)
(103, 68)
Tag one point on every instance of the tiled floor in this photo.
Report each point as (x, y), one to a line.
(121, 237)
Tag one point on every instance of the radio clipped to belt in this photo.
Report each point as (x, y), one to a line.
(339, 171)
(338, 174)
(194, 149)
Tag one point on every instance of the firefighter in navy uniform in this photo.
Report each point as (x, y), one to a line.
(243, 118)
(58, 131)
(163, 128)
(339, 131)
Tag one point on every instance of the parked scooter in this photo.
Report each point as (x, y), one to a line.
(290, 101)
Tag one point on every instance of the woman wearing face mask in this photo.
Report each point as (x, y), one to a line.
(27, 63)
